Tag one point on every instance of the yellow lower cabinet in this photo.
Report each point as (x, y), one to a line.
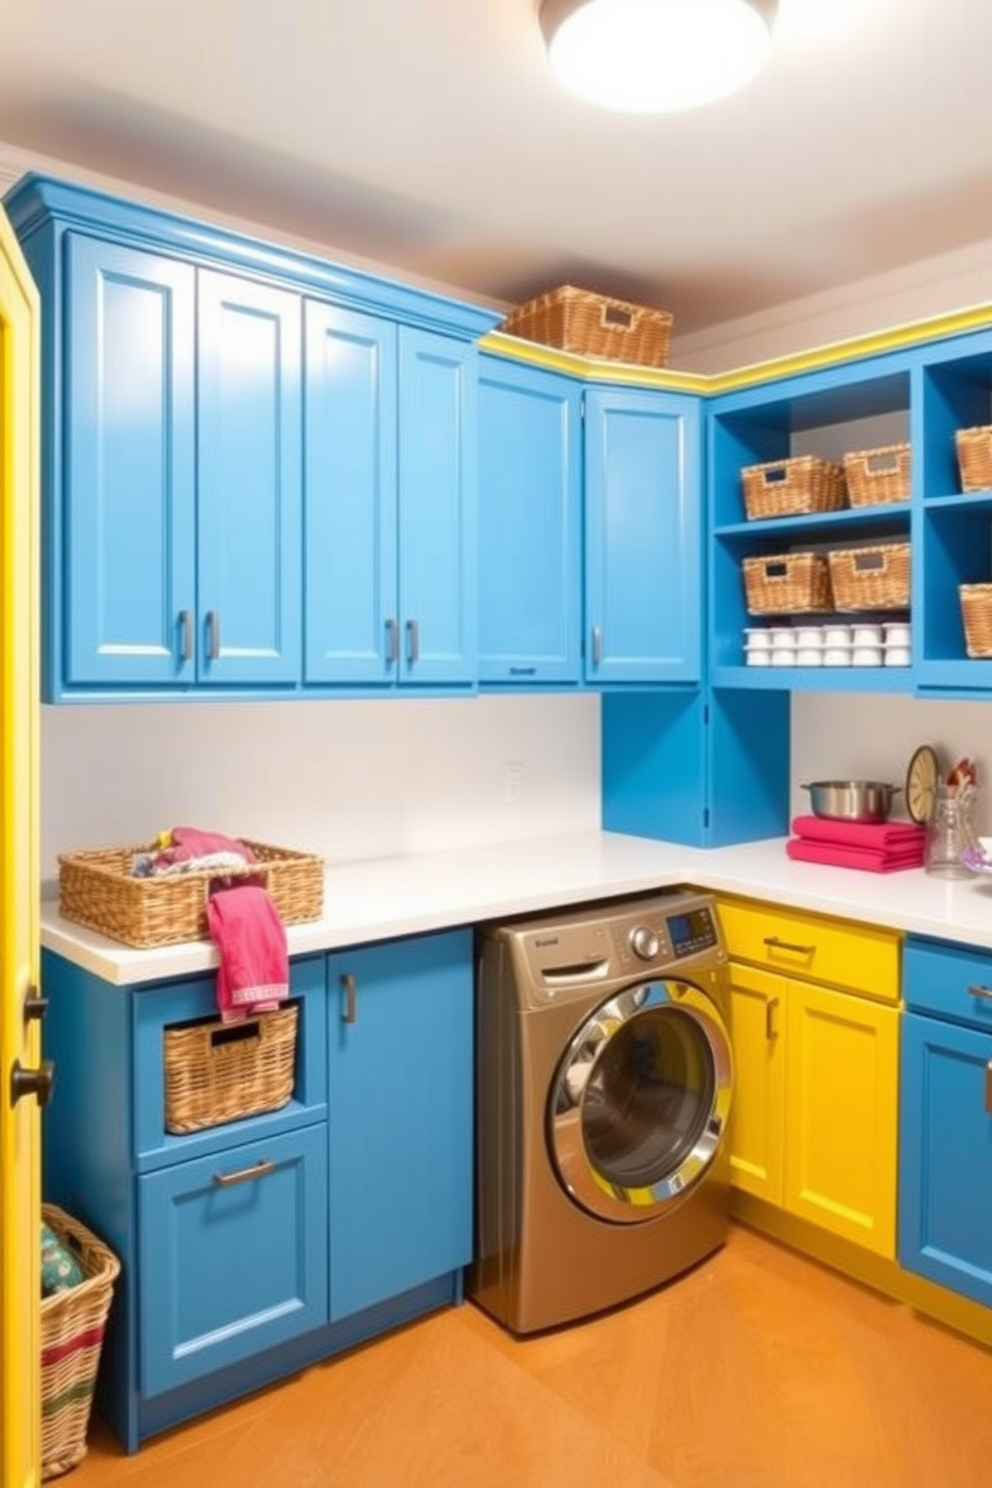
(841, 1114)
(757, 1110)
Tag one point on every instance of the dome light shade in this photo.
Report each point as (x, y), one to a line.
(656, 56)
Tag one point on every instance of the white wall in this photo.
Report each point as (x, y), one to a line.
(349, 780)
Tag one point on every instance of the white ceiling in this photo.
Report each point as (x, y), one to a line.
(428, 135)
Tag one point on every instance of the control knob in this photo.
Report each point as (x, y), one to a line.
(644, 942)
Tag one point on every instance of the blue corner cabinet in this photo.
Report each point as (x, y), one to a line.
(945, 1177)
(254, 1247)
(258, 469)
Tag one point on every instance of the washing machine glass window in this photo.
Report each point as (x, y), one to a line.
(641, 1100)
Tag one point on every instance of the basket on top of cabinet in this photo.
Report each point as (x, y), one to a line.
(870, 578)
(787, 584)
(974, 450)
(592, 324)
(793, 487)
(878, 475)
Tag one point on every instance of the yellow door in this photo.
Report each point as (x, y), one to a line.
(841, 1107)
(20, 1373)
(758, 1010)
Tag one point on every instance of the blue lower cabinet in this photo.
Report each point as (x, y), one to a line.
(945, 1190)
(232, 1255)
(399, 1116)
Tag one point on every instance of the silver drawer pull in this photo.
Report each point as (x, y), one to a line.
(260, 1169)
(977, 990)
(786, 945)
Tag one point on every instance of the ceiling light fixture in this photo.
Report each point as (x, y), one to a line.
(656, 56)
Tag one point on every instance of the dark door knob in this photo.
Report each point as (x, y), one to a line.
(37, 1082)
(35, 1006)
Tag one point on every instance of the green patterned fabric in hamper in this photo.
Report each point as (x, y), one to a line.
(59, 1268)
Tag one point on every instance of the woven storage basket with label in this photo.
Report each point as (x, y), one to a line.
(594, 325)
(879, 475)
(793, 487)
(216, 1072)
(97, 889)
(787, 584)
(870, 578)
(976, 614)
(974, 447)
(72, 1328)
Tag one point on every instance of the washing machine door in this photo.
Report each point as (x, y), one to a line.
(640, 1102)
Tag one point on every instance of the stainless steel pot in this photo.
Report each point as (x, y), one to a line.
(852, 800)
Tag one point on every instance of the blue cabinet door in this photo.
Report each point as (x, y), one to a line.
(232, 1255)
(437, 513)
(399, 1116)
(351, 624)
(250, 480)
(126, 603)
(530, 525)
(643, 559)
(945, 1175)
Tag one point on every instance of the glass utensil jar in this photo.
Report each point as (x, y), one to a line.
(950, 830)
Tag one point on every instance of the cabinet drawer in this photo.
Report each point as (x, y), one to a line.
(950, 980)
(859, 958)
(232, 1253)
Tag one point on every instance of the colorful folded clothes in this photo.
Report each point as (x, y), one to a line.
(878, 836)
(843, 855)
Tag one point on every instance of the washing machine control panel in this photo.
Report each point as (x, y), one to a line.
(692, 931)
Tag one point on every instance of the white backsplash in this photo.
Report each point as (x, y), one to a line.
(349, 780)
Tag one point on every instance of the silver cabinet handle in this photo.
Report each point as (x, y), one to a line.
(186, 626)
(787, 945)
(392, 642)
(349, 1012)
(213, 630)
(597, 644)
(771, 1008)
(523, 671)
(413, 640)
(977, 990)
(245, 1175)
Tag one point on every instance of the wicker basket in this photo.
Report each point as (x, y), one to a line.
(593, 325)
(879, 475)
(789, 584)
(974, 447)
(976, 612)
(72, 1327)
(792, 487)
(97, 889)
(871, 578)
(216, 1072)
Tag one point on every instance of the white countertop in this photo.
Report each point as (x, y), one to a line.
(381, 899)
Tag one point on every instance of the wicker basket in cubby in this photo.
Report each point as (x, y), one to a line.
(581, 321)
(97, 889)
(216, 1072)
(72, 1328)
(787, 584)
(878, 475)
(974, 447)
(870, 578)
(793, 487)
(976, 614)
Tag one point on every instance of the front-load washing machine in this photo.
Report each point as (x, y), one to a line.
(604, 1083)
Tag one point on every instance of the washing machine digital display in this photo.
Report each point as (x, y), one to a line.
(692, 932)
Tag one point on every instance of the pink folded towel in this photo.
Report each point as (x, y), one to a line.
(841, 855)
(879, 836)
(191, 842)
(253, 976)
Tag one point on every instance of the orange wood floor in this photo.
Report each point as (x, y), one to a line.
(760, 1369)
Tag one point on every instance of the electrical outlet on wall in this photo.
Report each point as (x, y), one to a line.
(512, 771)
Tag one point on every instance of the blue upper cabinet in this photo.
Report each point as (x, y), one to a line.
(530, 525)
(127, 602)
(643, 559)
(249, 482)
(351, 623)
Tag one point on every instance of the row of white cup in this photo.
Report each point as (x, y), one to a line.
(857, 644)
